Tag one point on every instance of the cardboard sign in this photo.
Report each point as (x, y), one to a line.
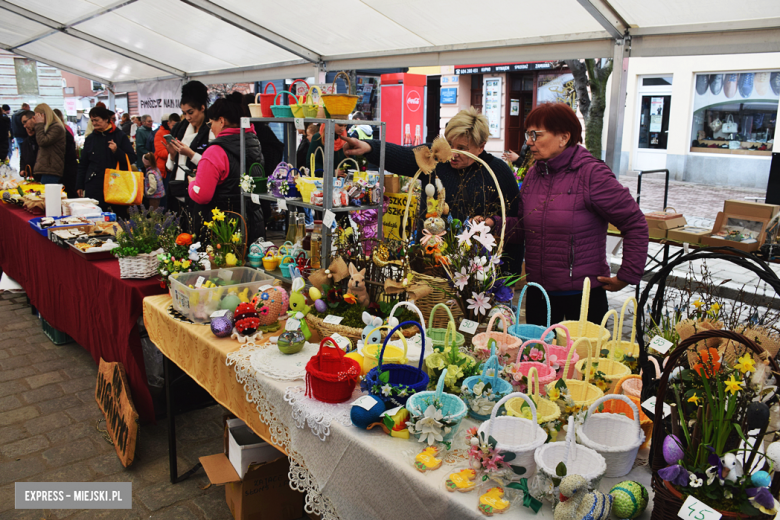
(391, 220)
(113, 397)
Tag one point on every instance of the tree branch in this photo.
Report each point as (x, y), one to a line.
(578, 70)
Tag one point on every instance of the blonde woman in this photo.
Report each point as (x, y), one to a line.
(50, 135)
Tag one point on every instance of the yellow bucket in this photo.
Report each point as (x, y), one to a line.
(393, 355)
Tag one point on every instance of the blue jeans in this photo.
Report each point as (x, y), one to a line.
(51, 179)
(19, 141)
(309, 216)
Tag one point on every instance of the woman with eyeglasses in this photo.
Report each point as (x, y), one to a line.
(566, 202)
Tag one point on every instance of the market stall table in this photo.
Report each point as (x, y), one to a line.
(86, 300)
(352, 473)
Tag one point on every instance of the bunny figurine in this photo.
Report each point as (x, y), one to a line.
(194, 254)
(372, 322)
(298, 307)
(357, 284)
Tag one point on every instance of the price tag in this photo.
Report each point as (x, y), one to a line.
(225, 274)
(199, 282)
(694, 509)
(650, 406)
(661, 345)
(328, 219)
(391, 412)
(219, 314)
(468, 326)
(292, 324)
(365, 402)
(255, 198)
(282, 204)
(343, 343)
(299, 123)
(244, 122)
(333, 320)
(264, 288)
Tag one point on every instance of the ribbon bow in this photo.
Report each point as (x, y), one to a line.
(349, 374)
(414, 290)
(528, 501)
(427, 235)
(427, 158)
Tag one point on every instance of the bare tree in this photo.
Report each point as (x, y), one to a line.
(592, 73)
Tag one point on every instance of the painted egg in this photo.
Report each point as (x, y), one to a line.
(773, 453)
(247, 319)
(757, 416)
(320, 306)
(672, 449)
(230, 302)
(761, 479)
(315, 293)
(222, 326)
(269, 307)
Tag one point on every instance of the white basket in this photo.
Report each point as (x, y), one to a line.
(141, 266)
(516, 434)
(579, 460)
(616, 437)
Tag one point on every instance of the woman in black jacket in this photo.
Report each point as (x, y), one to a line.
(106, 147)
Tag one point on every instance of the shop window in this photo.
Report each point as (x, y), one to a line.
(26, 76)
(735, 113)
(657, 81)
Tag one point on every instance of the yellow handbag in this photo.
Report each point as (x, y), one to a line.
(123, 188)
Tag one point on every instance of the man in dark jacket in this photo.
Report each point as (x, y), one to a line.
(5, 129)
(71, 166)
(141, 136)
(17, 126)
(28, 150)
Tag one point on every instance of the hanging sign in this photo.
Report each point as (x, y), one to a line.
(156, 98)
(391, 220)
(114, 400)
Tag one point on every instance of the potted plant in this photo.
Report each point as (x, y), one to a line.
(140, 240)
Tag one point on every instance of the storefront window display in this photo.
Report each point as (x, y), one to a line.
(735, 113)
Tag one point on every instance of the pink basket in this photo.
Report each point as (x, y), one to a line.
(507, 346)
(546, 372)
(561, 351)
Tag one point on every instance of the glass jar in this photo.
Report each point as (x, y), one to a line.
(316, 245)
(291, 223)
(300, 229)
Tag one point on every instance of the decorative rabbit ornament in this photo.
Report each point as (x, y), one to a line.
(298, 307)
(437, 209)
(372, 322)
(357, 285)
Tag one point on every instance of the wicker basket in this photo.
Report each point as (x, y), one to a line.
(545, 371)
(630, 386)
(499, 386)
(583, 393)
(353, 333)
(311, 107)
(613, 370)
(616, 437)
(516, 434)
(452, 407)
(526, 331)
(508, 345)
(141, 266)
(371, 353)
(256, 108)
(624, 385)
(331, 377)
(283, 110)
(297, 108)
(403, 377)
(562, 352)
(584, 328)
(339, 106)
(437, 329)
(429, 303)
(546, 410)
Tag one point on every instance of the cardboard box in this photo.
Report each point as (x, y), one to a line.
(752, 209)
(726, 221)
(264, 492)
(659, 223)
(689, 234)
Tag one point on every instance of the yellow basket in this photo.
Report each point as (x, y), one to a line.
(613, 370)
(357, 167)
(583, 328)
(583, 393)
(393, 355)
(546, 410)
(307, 186)
(340, 105)
(310, 108)
(628, 348)
(297, 109)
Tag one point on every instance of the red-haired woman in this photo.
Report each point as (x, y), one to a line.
(567, 199)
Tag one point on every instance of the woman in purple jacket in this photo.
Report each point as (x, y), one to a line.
(567, 200)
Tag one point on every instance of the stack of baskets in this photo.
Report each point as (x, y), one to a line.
(613, 370)
(331, 377)
(453, 409)
(526, 331)
(490, 375)
(405, 379)
(584, 328)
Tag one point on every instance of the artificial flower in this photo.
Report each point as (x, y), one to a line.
(732, 385)
(695, 481)
(461, 279)
(746, 363)
(387, 390)
(186, 264)
(350, 298)
(763, 500)
(177, 264)
(675, 474)
(483, 236)
(236, 238)
(536, 354)
(464, 239)
(710, 362)
(430, 426)
(553, 394)
(478, 388)
(478, 267)
(454, 373)
(479, 304)
(482, 405)
(694, 399)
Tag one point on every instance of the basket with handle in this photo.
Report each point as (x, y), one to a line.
(526, 331)
(339, 106)
(629, 348)
(257, 172)
(331, 377)
(403, 380)
(583, 393)
(438, 334)
(297, 108)
(266, 100)
(614, 436)
(611, 369)
(452, 408)
(256, 108)
(490, 375)
(620, 407)
(285, 263)
(283, 110)
(561, 352)
(507, 344)
(412, 354)
(519, 435)
(546, 410)
(579, 460)
(584, 328)
(520, 369)
(371, 353)
(347, 159)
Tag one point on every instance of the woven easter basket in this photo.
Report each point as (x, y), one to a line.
(584, 328)
(516, 434)
(331, 377)
(526, 331)
(667, 500)
(283, 110)
(612, 369)
(452, 407)
(441, 288)
(490, 374)
(297, 108)
(426, 343)
(141, 266)
(561, 352)
(508, 345)
(371, 352)
(339, 106)
(546, 410)
(409, 380)
(545, 371)
(620, 407)
(353, 333)
(583, 393)
(437, 328)
(631, 347)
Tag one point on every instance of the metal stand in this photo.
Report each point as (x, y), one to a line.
(653, 260)
(174, 472)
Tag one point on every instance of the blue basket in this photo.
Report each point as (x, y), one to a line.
(500, 387)
(285, 267)
(525, 331)
(414, 379)
(452, 407)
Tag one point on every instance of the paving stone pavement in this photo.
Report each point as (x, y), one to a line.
(48, 417)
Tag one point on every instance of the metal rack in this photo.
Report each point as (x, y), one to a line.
(291, 124)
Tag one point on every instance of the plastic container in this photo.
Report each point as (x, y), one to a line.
(56, 336)
(198, 304)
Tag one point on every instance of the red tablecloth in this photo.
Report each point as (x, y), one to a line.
(87, 300)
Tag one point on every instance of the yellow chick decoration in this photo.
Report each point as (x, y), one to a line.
(493, 502)
(462, 481)
(426, 460)
(244, 295)
(231, 260)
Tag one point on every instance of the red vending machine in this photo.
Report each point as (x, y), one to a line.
(403, 107)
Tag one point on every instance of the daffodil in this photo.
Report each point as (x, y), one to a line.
(715, 307)
(208, 224)
(553, 394)
(746, 364)
(698, 304)
(694, 399)
(236, 238)
(733, 386)
(185, 264)
(218, 215)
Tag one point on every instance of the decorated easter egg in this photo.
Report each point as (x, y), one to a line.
(672, 449)
(230, 302)
(285, 298)
(269, 307)
(246, 319)
(773, 453)
(320, 305)
(761, 479)
(222, 326)
(629, 499)
(315, 293)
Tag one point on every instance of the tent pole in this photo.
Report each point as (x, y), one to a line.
(617, 103)
(111, 97)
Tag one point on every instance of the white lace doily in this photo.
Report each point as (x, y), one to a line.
(316, 414)
(269, 361)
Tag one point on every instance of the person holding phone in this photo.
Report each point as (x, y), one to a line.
(161, 140)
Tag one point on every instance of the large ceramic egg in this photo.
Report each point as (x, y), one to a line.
(247, 319)
(672, 449)
(320, 306)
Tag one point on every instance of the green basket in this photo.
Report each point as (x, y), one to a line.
(57, 337)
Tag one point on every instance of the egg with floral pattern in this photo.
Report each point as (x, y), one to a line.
(247, 319)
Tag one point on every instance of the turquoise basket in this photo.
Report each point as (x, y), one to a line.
(451, 406)
(499, 386)
(525, 331)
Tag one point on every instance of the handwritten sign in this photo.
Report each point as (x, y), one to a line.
(292, 324)
(660, 345)
(331, 319)
(391, 220)
(649, 405)
(694, 509)
(113, 397)
(468, 326)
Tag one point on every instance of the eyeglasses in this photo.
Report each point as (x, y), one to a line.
(533, 135)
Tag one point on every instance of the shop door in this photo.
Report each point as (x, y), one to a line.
(653, 131)
(520, 104)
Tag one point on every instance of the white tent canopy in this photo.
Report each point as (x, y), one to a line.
(121, 42)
